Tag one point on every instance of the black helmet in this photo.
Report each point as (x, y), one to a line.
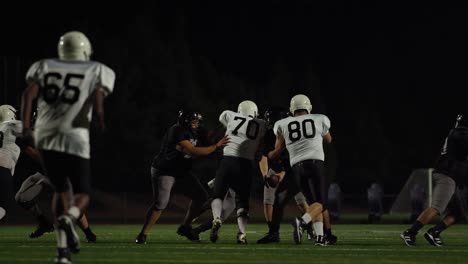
(274, 114)
(186, 116)
(462, 120)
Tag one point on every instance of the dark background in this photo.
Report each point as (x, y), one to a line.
(390, 77)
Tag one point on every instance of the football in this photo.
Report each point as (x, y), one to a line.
(272, 181)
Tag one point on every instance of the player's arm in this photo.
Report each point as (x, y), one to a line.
(327, 138)
(98, 110)
(27, 100)
(190, 149)
(279, 147)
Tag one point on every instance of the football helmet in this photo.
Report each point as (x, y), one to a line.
(462, 121)
(248, 108)
(186, 117)
(74, 46)
(7, 113)
(300, 102)
(274, 114)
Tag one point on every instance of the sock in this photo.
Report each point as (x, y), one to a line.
(441, 226)
(274, 227)
(74, 212)
(242, 218)
(327, 231)
(269, 225)
(318, 227)
(87, 231)
(216, 207)
(306, 218)
(61, 238)
(416, 227)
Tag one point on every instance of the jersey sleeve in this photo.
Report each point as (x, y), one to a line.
(225, 117)
(35, 73)
(277, 129)
(178, 134)
(106, 79)
(326, 125)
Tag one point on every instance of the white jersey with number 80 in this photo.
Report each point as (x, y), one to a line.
(303, 136)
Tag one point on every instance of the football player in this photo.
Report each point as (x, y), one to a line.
(10, 128)
(173, 163)
(26, 196)
(451, 169)
(236, 168)
(68, 91)
(303, 135)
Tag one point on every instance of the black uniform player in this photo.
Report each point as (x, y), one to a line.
(173, 162)
(451, 169)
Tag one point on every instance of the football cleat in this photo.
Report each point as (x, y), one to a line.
(270, 237)
(63, 256)
(310, 232)
(140, 239)
(189, 233)
(65, 223)
(241, 238)
(215, 229)
(409, 238)
(320, 241)
(91, 237)
(330, 240)
(298, 231)
(433, 238)
(41, 229)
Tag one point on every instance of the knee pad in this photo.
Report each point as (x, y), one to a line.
(242, 212)
(300, 198)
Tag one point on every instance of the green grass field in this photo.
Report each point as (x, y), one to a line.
(356, 244)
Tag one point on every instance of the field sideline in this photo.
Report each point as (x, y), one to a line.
(356, 244)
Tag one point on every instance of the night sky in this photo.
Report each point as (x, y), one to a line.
(390, 77)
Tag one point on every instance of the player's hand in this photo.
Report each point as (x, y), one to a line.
(223, 142)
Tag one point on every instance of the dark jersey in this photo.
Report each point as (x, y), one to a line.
(453, 160)
(282, 162)
(170, 160)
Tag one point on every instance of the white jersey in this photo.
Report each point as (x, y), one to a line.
(245, 134)
(303, 136)
(65, 102)
(9, 151)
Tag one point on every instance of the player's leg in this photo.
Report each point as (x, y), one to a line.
(26, 198)
(198, 195)
(84, 225)
(162, 186)
(330, 239)
(6, 191)
(219, 191)
(242, 188)
(456, 213)
(443, 190)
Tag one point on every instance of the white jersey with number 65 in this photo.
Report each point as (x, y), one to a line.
(303, 136)
(245, 134)
(65, 102)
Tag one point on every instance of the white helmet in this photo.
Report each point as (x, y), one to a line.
(248, 108)
(7, 113)
(299, 102)
(74, 45)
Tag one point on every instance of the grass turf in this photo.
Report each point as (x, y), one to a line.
(356, 244)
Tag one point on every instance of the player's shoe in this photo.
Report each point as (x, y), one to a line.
(433, 238)
(63, 256)
(320, 241)
(41, 229)
(298, 231)
(270, 237)
(215, 229)
(140, 239)
(189, 233)
(330, 240)
(310, 232)
(409, 238)
(65, 223)
(241, 238)
(90, 237)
